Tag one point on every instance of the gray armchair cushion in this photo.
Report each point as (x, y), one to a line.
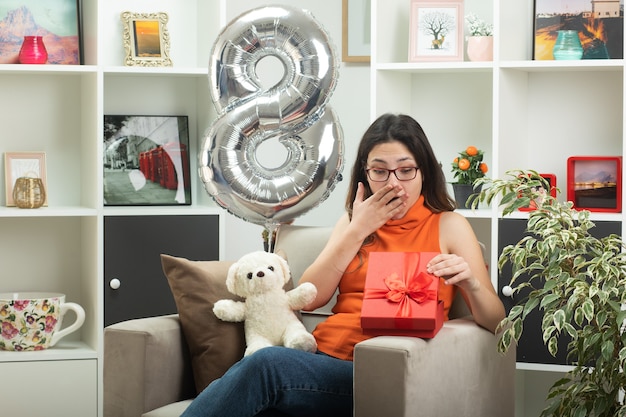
(459, 372)
(214, 345)
(146, 366)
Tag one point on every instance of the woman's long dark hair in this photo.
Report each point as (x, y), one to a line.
(404, 129)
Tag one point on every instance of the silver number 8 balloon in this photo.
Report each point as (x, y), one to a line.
(294, 111)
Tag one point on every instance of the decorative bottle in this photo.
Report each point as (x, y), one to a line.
(33, 51)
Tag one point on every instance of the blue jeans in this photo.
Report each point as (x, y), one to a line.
(278, 381)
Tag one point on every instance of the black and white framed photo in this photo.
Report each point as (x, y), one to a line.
(146, 160)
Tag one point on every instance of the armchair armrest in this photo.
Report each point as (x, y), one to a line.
(459, 372)
(146, 365)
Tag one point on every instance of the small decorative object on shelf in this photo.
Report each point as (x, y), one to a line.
(567, 45)
(146, 39)
(480, 39)
(33, 320)
(33, 51)
(467, 168)
(29, 165)
(29, 192)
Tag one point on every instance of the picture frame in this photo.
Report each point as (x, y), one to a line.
(23, 164)
(436, 30)
(146, 160)
(57, 21)
(551, 180)
(600, 27)
(146, 39)
(594, 183)
(355, 31)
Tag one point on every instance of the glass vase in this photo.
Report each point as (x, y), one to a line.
(567, 45)
(33, 51)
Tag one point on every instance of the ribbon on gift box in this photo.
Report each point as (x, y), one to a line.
(413, 285)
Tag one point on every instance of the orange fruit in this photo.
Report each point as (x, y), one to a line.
(464, 164)
(471, 151)
(483, 167)
(456, 161)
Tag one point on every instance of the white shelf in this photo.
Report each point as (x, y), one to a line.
(48, 212)
(161, 71)
(436, 67)
(64, 350)
(59, 110)
(542, 367)
(560, 66)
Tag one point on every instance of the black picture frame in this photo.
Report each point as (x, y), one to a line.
(59, 22)
(146, 160)
(600, 26)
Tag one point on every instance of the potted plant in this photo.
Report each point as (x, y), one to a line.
(480, 39)
(577, 283)
(467, 168)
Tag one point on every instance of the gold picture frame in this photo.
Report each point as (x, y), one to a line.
(355, 31)
(146, 39)
(23, 164)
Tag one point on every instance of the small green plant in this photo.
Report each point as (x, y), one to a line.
(578, 283)
(477, 26)
(469, 166)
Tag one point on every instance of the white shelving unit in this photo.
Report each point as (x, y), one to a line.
(59, 110)
(524, 114)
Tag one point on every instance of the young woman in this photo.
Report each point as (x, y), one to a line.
(397, 202)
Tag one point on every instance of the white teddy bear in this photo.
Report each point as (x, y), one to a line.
(267, 310)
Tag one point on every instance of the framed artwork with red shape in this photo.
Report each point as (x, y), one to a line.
(594, 183)
(55, 23)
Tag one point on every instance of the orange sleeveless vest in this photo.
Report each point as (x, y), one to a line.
(418, 231)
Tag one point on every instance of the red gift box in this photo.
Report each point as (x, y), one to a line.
(400, 297)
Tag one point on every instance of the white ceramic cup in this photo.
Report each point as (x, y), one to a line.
(33, 320)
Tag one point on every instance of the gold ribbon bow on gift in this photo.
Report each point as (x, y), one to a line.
(413, 285)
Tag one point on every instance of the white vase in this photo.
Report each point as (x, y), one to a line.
(480, 48)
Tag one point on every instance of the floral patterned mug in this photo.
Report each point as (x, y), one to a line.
(32, 320)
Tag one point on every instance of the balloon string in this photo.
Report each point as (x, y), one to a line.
(271, 236)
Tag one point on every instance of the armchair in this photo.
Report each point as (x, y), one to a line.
(459, 372)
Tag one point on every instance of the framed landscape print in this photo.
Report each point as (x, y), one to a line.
(146, 39)
(594, 183)
(600, 27)
(146, 160)
(436, 30)
(56, 21)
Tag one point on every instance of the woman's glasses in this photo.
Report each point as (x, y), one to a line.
(382, 174)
